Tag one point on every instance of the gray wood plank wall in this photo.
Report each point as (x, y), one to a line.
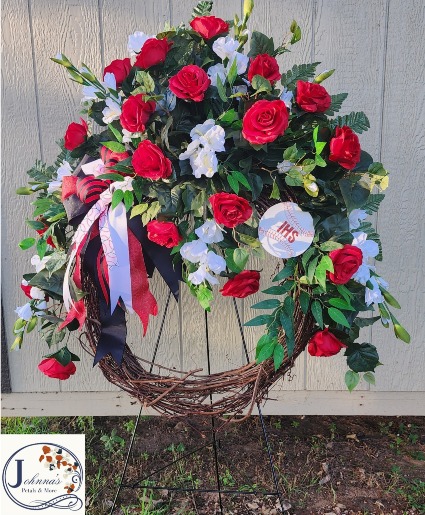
(377, 50)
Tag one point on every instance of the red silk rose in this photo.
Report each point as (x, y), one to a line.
(312, 97)
(52, 368)
(265, 121)
(346, 262)
(230, 209)
(209, 26)
(324, 343)
(190, 82)
(244, 284)
(266, 66)
(120, 68)
(165, 234)
(345, 148)
(75, 135)
(153, 52)
(136, 113)
(150, 162)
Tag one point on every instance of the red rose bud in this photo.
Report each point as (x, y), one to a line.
(76, 134)
(190, 82)
(266, 66)
(150, 162)
(77, 312)
(346, 262)
(230, 209)
(312, 97)
(265, 121)
(209, 26)
(52, 368)
(324, 343)
(136, 113)
(120, 68)
(153, 52)
(165, 234)
(244, 284)
(345, 148)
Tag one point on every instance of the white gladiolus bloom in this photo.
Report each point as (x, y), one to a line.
(284, 166)
(240, 89)
(39, 264)
(225, 47)
(202, 275)
(109, 82)
(214, 262)
(36, 293)
(112, 110)
(210, 232)
(136, 42)
(362, 275)
(204, 162)
(218, 70)
(127, 135)
(355, 218)
(63, 171)
(369, 248)
(193, 251)
(24, 312)
(287, 96)
(374, 295)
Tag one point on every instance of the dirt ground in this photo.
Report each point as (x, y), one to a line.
(323, 465)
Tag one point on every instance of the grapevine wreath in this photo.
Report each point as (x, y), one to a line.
(205, 157)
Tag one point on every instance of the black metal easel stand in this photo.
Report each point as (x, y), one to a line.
(215, 443)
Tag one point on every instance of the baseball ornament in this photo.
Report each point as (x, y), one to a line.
(285, 230)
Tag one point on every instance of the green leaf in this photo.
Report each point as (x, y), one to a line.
(312, 269)
(279, 290)
(336, 103)
(298, 72)
(362, 357)
(233, 73)
(316, 310)
(202, 8)
(233, 183)
(27, 243)
(366, 322)
(344, 292)
(242, 179)
(288, 325)
(34, 224)
(306, 256)
(266, 304)
(351, 379)
(128, 200)
(278, 355)
(147, 84)
(354, 195)
(62, 355)
(259, 320)
(358, 122)
(296, 32)
(240, 258)
(401, 333)
(248, 240)
(325, 265)
(266, 351)
(287, 271)
(369, 377)
(330, 245)
(44, 281)
(221, 90)
(114, 146)
(116, 133)
(51, 334)
(260, 44)
(56, 261)
(204, 296)
(341, 304)
(139, 210)
(231, 265)
(117, 197)
(260, 84)
(304, 300)
(110, 177)
(338, 317)
(41, 247)
(372, 204)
